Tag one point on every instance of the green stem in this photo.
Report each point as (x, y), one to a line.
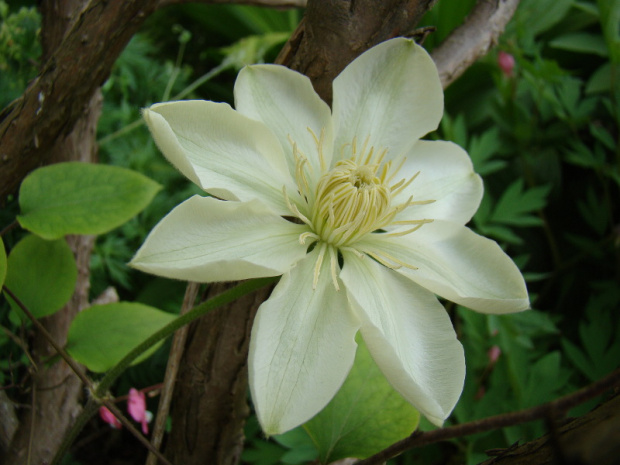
(202, 79)
(190, 88)
(222, 299)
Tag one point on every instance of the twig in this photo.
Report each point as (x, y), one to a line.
(6, 229)
(80, 374)
(176, 352)
(65, 356)
(555, 407)
(473, 38)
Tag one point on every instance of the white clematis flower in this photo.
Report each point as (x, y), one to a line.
(364, 221)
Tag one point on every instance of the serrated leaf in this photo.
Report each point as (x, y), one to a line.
(101, 335)
(578, 358)
(81, 198)
(2, 263)
(365, 416)
(481, 150)
(516, 204)
(582, 155)
(41, 274)
(544, 380)
(600, 351)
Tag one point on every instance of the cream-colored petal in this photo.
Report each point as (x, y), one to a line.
(409, 335)
(209, 240)
(391, 95)
(301, 349)
(285, 101)
(227, 154)
(446, 175)
(457, 264)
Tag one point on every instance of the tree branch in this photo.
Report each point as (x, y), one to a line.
(550, 410)
(334, 32)
(57, 98)
(473, 38)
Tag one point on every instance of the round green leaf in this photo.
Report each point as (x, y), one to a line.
(365, 417)
(100, 336)
(2, 263)
(42, 274)
(81, 198)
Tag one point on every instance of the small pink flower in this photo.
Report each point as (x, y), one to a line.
(493, 354)
(109, 417)
(506, 63)
(136, 406)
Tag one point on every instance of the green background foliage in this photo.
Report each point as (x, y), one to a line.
(545, 140)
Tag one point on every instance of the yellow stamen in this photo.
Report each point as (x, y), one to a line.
(354, 198)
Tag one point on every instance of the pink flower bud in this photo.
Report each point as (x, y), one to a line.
(136, 406)
(493, 354)
(109, 417)
(506, 63)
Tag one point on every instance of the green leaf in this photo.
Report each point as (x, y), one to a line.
(42, 274)
(252, 49)
(81, 198)
(2, 263)
(516, 205)
(302, 449)
(501, 233)
(603, 136)
(482, 149)
(540, 15)
(581, 42)
(545, 379)
(100, 336)
(610, 18)
(366, 415)
(601, 80)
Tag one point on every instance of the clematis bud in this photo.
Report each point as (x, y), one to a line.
(136, 406)
(506, 63)
(109, 417)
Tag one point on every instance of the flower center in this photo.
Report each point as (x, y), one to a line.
(353, 199)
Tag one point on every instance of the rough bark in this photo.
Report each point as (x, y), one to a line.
(334, 32)
(210, 406)
(56, 390)
(52, 104)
